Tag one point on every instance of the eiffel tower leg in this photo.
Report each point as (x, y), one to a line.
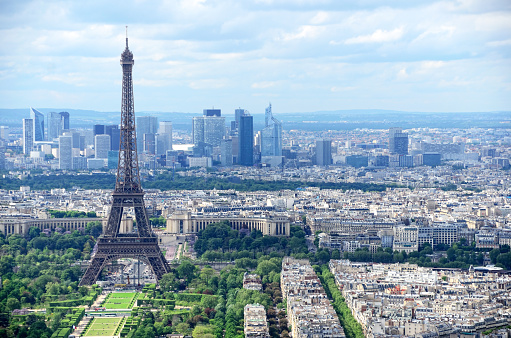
(91, 275)
(159, 264)
(144, 229)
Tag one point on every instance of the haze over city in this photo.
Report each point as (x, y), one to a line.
(300, 55)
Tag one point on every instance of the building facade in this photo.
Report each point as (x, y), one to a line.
(271, 142)
(102, 145)
(246, 140)
(188, 223)
(323, 152)
(65, 152)
(398, 141)
(28, 136)
(38, 118)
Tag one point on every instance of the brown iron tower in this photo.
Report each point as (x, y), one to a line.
(128, 193)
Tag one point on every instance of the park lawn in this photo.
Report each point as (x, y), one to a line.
(120, 300)
(103, 327)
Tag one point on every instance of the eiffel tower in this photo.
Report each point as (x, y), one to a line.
(128, 193)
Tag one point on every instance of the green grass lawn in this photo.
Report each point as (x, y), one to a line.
(103, 327)
(120, 300)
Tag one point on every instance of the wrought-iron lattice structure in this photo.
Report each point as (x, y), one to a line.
(128, 193)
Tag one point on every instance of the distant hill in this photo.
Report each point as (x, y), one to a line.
(312, 121)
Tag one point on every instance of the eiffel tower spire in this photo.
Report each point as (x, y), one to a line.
(128, 193)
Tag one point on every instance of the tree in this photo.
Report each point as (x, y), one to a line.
(95, 229)
(206, 273)
(265, 267)
(182, 328)
(493, 255)
(203, 331)
(33, 232)
(13, 303)
(168, 282)
(336, 254)
(186, 270)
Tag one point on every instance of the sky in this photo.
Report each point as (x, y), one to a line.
(300, 55)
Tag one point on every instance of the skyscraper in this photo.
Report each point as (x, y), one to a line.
(166, 129)
(102, 145)
(246, 140)
(98, 129)
(212, 112)
(198, 130)
(398, 141)
(28, 136)
(237, 114)
(4, 132)
(115, 134)
(65, 152)
(64, 120)
(214, 130)
(161, 143)
(150, 143)
(323, 152)
(38, 118)
(226, 152)
(145, 125)
(209, 128)
(271, 142)
(54, 125)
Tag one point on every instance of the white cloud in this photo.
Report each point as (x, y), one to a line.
(499, 43)
(264, 84)
(378, 36)
(308, 53)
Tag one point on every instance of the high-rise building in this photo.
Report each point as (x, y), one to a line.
(166, 129)
(115, 135)
(54, 124)
(198, 130)
(65, 152)
(102, 145)
(323, 152)
(76, 140)
(398, 141)
(98, 129)
(237, 114)
(64, 120)
(38, 118)
(79, 163)
(226, 152)
(271, 140)
(2, 154)
(145, 125)
(28, 135)
(212, 112)
(4, 132)
(246, 140)
(161, 143)
(214, 130)
(209, 128)
(150, 143)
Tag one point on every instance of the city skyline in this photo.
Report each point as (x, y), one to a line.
(308, 56)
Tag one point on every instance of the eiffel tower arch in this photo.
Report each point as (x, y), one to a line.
(128, 193)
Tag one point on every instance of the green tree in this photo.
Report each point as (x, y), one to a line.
(182, 328)
(494, 254)
(265, 267)
(186, 270)
(95, 229)
(13, 303)
(169, 282)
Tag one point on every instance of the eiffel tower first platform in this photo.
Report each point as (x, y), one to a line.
(128, 193)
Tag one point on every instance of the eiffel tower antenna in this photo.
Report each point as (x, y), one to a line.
(128, 193)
